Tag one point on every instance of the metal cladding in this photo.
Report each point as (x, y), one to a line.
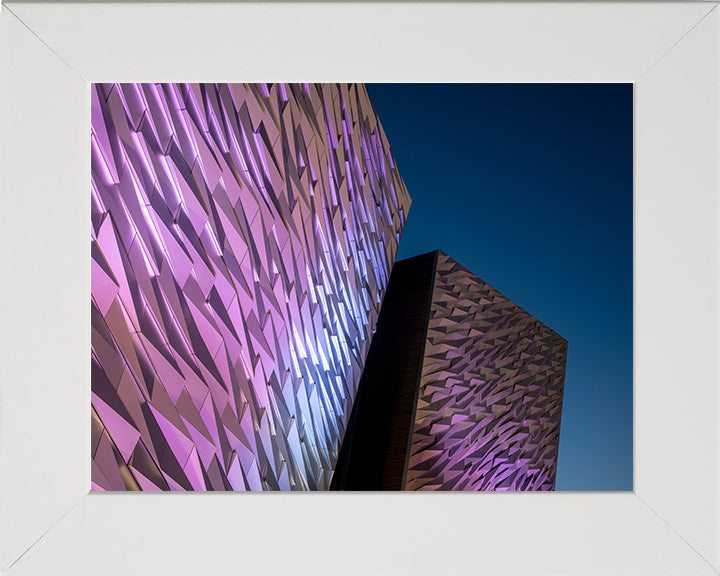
(462, 389)
(490, 396)
(242, 239)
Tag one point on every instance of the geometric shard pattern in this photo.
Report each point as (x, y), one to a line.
(490, 399)
(242, 240)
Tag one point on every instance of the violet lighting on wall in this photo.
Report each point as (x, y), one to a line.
(490, 396)
(462, 389)
(242, 241)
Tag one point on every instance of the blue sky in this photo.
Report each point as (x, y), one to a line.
(530, 187)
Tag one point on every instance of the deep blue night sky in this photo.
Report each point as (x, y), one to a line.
(529, 186)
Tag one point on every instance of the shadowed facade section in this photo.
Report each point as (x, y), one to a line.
(375, 449)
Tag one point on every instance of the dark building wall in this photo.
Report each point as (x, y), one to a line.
(375, 448)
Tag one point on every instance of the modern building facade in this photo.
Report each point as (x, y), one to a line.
(242, 241)
(462, 389)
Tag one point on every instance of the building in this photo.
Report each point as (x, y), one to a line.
(242, 240)
(462, 389)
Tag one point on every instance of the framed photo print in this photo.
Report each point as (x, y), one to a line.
(305, 275)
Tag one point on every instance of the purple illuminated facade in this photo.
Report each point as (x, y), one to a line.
(242, 240)
(490, 396)
(462, 389)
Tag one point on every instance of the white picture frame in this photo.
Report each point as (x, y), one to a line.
(51, 524)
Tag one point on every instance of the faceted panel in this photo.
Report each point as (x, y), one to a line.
(489, 402)
(242, 240)
(462, 389)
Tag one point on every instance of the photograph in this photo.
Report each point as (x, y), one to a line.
(362, 287)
